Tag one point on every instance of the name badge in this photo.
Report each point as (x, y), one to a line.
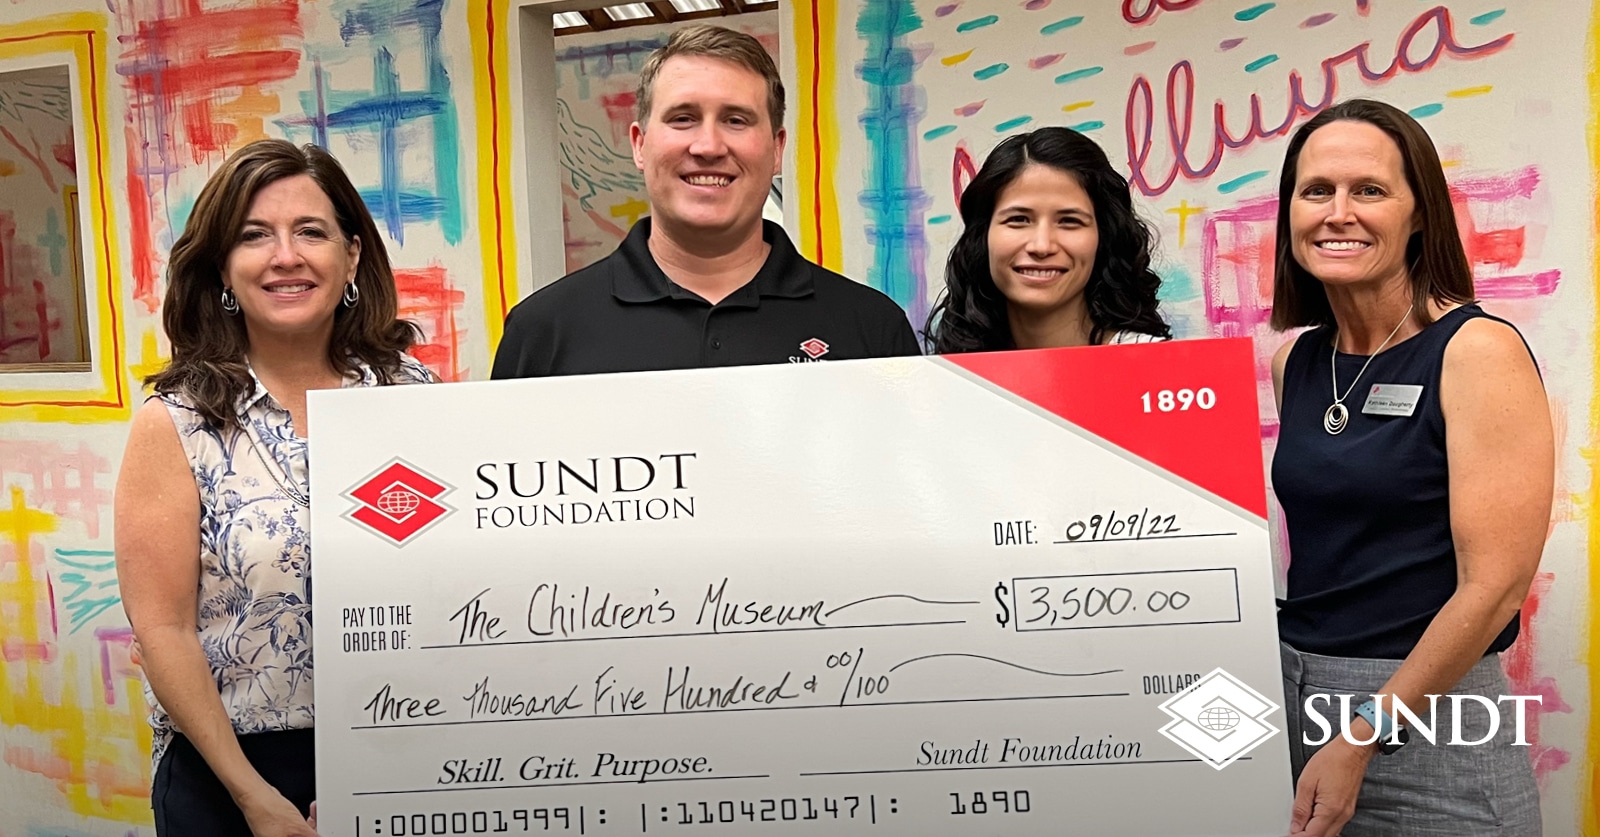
(1392, 400)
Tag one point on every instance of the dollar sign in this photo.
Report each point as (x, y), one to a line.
(1000, 593)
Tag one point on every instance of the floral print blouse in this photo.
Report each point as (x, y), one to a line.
(254, 622)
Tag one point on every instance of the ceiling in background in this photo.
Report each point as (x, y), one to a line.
(654, 11)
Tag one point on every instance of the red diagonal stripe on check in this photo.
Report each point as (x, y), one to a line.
(1101, 389)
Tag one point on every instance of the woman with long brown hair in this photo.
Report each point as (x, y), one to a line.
(279, 285)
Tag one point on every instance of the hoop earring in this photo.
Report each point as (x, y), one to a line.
(352, 295)
(230, 304)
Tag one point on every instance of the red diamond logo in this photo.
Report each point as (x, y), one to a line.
(398, 502)
(814, 348)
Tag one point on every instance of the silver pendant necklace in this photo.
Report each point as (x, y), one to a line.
(1337, 417)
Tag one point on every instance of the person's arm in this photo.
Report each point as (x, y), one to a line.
(157, 519)
(508, 355)
(1501, 454)
(1280, 359)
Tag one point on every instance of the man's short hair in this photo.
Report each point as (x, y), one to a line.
(720, 42)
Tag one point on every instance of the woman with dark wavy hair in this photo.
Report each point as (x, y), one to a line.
(279, 285)
(1053, 254)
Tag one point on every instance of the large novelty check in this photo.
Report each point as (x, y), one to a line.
(919, 596)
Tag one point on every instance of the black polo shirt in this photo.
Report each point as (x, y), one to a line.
(622, 314)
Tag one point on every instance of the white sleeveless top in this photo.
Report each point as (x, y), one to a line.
(1128, 337)
(254, 621)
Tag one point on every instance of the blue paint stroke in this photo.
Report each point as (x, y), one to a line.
(391, 30)
(1237, 183)
(53, 240)
(1064, 23)
(88, 586)
(591, 165)
(601, 61)
(892, 197)
(1254, 11)
(1425, 111)
(1012, 123)
(939, 219)
(1085, 127)
(1260, 62)
(978, 23)
(938, 132)
(1486, 18)
(991, 71)
(1077, 74)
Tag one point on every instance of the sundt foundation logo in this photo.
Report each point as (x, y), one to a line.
(814, 348)
(398, 502)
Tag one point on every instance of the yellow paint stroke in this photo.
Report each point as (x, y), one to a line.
(815, 25)
(491, 87)
(1184, 212)
(1076, 106)
(631, 209)
(97, 755)
(1449, 164)
(80, 38)
(1590, 794)
(150, 361)
(7, 167)
(952, 60)
(1470, 91)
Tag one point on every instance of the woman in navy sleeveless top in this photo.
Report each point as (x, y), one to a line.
(1415, 468)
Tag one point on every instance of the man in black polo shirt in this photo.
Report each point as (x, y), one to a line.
(703, 281)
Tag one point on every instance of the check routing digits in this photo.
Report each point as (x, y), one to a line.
(693, 625)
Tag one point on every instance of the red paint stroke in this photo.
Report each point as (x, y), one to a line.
(1317, 20)
(494, 161)
(116, 660)
(1044, 61)
(962, 170)
(1139, 49)
(1140, 116)
(816, 125)
(971, 108)
(1228, 44)
(66, 153)
(428, 298)
(942, 11)
(1364, 7)
(1133, 13)
(146, 262)
(620, 109)
(1497, 252)
(1035, 5)
(1521, 666)
(98, 153)
(36, 156)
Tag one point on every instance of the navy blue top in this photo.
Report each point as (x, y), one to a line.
(1371, 557)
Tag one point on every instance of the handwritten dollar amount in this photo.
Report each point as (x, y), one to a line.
(1113, 600)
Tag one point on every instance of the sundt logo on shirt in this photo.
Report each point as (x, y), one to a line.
(814, 350)
(399, 501)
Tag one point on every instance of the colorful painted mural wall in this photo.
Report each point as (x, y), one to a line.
(894, 103)
(148, 97)
(900, 100)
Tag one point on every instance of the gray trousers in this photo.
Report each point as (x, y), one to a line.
(1424, 790)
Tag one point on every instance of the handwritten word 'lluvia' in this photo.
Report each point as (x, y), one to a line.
(1180, 106)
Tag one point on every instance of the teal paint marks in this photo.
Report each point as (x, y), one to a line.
(1425, 111)
(990, 71)
(53, 240)
(1487, 18)
(1012, 123)
(1086, 127)
(1254, 11)
(892, 196)
(1077, 74)
(938, 132)
(1065, 23)
(978, 23)
(1177, 284)
(939, 219)
(1238, 183)
(1260, 62)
